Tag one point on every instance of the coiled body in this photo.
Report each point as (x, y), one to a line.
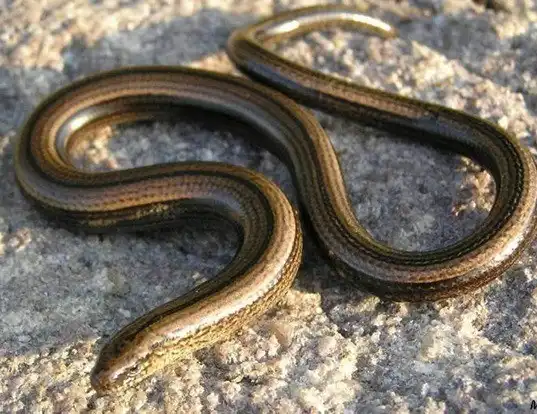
(270, 252)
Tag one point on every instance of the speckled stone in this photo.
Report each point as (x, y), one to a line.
(327, 347)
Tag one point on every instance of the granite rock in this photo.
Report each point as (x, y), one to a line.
(327, 347)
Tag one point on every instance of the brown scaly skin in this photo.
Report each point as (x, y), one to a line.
(270, 253)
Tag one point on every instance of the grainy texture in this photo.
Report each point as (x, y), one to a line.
(328, 346)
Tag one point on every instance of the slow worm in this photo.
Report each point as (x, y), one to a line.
(271, 245)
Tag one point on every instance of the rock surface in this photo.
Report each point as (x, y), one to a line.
(327, 347)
